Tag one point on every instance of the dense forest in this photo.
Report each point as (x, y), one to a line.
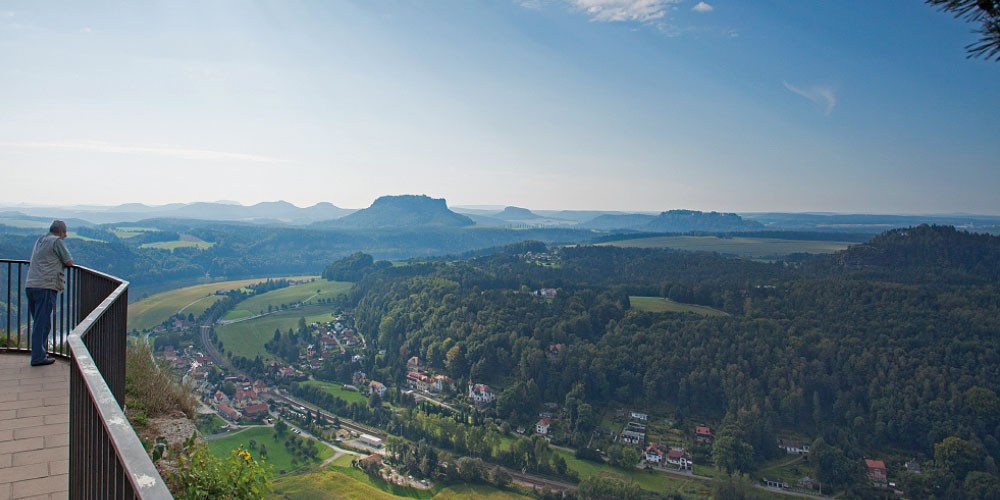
(891, 344)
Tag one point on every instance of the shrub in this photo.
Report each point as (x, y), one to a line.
(199, 474)
(149, 391)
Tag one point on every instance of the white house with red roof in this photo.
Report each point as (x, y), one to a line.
(481, 393)
(680, 458)
(653, 454)
(542, 426)
(376, 387)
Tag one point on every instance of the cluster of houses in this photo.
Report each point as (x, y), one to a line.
(419, 379)
(177, 323)
(634, 433)
(247, 403)
(676, 457)
(332, 337)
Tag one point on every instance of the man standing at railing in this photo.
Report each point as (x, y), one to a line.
(45, 280)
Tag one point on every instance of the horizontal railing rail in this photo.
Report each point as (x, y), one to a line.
(107, 459)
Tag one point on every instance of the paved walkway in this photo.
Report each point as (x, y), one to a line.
(34, 429)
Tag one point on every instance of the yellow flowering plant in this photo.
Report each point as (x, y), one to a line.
(201, 475)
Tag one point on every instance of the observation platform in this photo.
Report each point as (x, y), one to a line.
(34, 428)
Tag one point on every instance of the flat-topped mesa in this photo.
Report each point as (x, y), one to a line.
(404, 211)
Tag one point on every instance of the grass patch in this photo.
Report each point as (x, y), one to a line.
(755, 248)
(247, 338)
(343, 466)
(324, 485)
(650, 480)
(661, 305)
(336, 391)
(476, 491)
(277, 455)
(788, 468)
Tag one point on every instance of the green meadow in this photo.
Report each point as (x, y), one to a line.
(247, 338)
(661, 305)
(476, 491)
(754, 248)
(340, 480)
(647, 479)
(305, 292)
(336, 391)
(278, 455)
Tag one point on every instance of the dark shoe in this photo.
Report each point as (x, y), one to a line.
(46, 361)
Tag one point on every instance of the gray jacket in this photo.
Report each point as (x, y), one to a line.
(48, 258)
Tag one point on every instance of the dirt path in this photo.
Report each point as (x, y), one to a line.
(191, 304)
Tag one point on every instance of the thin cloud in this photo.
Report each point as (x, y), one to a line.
(530, 4)
(168, 151)
(643, 11)
(822, 95)
(703, 8)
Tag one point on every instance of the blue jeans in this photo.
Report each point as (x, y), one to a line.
(41, 301)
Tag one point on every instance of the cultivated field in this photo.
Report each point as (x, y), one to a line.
(152, 311)
(755, 248)
(661, 305)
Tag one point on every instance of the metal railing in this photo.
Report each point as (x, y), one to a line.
(106, 458)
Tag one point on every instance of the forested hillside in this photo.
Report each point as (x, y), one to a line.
(244, 250)
(902, 358)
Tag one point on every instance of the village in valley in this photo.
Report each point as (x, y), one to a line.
(237, 393)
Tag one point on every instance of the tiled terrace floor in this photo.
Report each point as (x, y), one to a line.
(34, 428)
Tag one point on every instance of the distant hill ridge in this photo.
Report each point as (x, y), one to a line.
(516, 213)
(403, 211)
(676, 221)
(932, 248)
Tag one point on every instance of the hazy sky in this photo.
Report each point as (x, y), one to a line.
(797, 105)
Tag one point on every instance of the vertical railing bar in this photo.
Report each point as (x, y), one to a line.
(28, 321)
(7, 318)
